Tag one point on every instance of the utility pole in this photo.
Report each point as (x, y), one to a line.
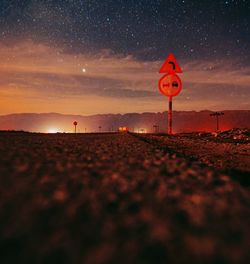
(217, 114)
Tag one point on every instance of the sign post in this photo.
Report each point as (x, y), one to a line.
(75, 124)
(170, 115)
(170, 85)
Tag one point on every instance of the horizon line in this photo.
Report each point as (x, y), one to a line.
(83, 115)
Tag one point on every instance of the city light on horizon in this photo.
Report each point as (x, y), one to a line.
(52, 130)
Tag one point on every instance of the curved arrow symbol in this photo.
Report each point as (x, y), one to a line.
(172, 63)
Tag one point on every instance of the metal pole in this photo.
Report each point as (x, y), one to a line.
(170, 115)
(75, 129)
(217, 119)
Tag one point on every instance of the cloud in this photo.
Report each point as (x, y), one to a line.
(217, 72)
(38, 72)
(61, 85)
(31, 57)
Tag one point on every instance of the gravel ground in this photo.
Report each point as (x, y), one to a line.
(229, 156)
(113, 198)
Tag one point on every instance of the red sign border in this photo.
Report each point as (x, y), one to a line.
(159, 86)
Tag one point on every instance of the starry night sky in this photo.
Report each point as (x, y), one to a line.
(101, 56)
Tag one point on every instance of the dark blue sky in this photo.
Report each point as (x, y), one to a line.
(144, 28)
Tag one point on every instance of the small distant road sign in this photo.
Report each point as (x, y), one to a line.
(75, 124)
(170, 85)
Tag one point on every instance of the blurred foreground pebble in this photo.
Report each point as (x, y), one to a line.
(115, 199)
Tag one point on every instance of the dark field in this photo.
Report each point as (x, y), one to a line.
(121, 198)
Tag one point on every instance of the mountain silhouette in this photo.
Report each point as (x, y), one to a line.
(183, 121)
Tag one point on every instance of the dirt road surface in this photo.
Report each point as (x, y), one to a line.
(114, 198)
(229, 156)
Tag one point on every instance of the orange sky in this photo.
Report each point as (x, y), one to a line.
(38, 78)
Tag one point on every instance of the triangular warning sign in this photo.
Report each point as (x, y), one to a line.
(170, 65)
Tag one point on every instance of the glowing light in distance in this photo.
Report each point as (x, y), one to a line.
(52, 130)
(123, 129)
(142, 131)
(84, 70)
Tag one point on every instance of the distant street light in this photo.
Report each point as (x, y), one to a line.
(217, 114)
(75, 124)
